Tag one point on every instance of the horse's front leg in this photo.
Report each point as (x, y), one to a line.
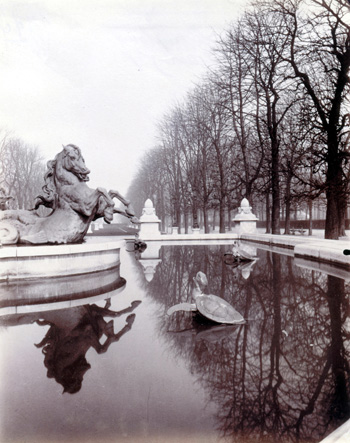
(111, 337)
(104, 205)
(127, 213)
(117, 195)
(106, 194)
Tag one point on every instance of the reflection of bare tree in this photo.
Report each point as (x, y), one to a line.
(72, 334)
(285, 376)
(340, 406)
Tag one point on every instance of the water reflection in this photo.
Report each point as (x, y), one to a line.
(285, 375)
(339, 312)
(72, 332)
(282, 376)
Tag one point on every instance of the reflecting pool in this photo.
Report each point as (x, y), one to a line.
(120, 369)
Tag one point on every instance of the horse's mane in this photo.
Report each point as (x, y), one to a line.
(50, 197)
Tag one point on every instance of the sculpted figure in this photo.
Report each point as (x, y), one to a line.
(74, 205)
(4, 199)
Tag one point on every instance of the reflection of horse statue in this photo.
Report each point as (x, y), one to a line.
(72, 334)
(74, 205)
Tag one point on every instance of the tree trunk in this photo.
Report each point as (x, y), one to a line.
(222, 217)
(342, 205)
(186, 217)
(334, 193)
(288, 204)
(177, 214)
(205, 220)
(287, 220)
(229, 219)
(268, 218)
(332, 223)
(195, 223)
(275, 216)
(310, 217)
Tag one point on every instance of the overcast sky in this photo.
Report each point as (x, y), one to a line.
(102, 73)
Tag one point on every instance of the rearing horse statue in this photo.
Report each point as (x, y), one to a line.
(74, 205)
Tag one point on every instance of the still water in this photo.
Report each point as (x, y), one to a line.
(122, 370)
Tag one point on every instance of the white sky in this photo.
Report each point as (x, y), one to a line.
(101, 73)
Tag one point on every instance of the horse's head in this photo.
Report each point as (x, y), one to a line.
(73, 161)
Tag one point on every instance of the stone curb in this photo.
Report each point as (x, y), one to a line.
(320, 250)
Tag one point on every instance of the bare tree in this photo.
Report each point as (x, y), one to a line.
(215, 124)
(269, 71)
(149, 182)
(22, 171)
(233, 78)
(319, 53)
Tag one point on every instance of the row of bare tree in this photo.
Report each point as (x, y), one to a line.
(269, 122)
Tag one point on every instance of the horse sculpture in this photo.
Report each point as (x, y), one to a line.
(74, 205)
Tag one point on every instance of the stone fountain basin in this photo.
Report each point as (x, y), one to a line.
(21, 297)
(33, 262)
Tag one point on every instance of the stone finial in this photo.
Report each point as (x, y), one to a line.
(149, 212)
(245, 208)
(245, 211)
(149, 222)
(148, 208)
(245, 220)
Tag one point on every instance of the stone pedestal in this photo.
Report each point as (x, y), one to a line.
(149, 222)
(96, 225)
(245, 220)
